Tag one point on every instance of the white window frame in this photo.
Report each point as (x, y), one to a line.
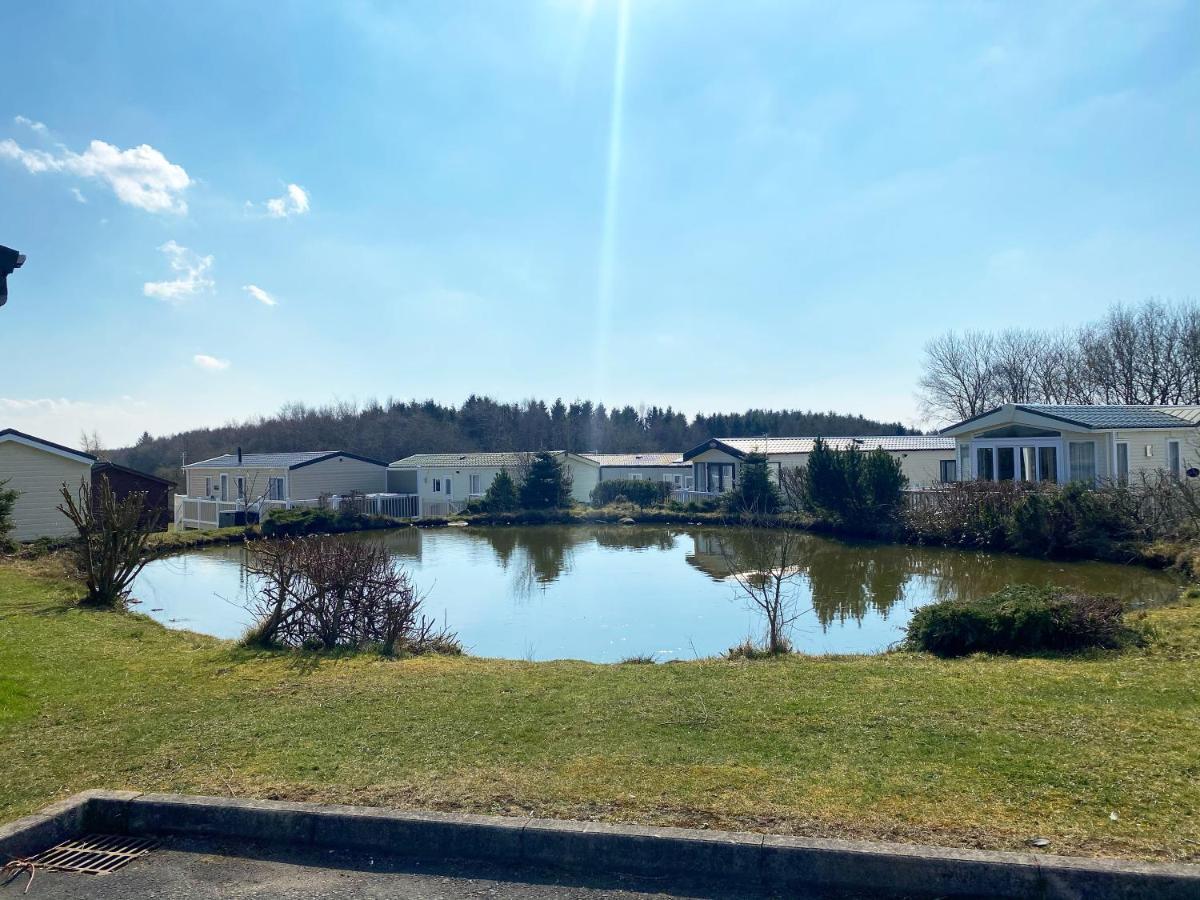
(277, 481)
(224, 486)
(1175, 458)
(241, 487)
(994, 444)
(449, 487)
(207, 486)
(1095, 461)
(1119, 476)
(475, 483)
(437, 485)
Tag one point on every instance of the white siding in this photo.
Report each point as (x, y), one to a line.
(258, 480)
(339, 475)
(38, 475)
(1148, 450)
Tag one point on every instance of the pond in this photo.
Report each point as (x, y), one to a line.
(605, 593)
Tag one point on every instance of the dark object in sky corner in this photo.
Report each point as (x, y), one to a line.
(10, 261)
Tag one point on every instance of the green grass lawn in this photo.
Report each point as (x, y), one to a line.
(983, 752)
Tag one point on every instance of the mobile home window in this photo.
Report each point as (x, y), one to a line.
(276, 487)
(448, 490)
(1123, 463)
(437, 485)
(949, 470)
(475, 485)
(208, 486)
(1174, 463)
(985, 470)
(241, 486)
(224, 486)
(964, 461)
(1081, 458)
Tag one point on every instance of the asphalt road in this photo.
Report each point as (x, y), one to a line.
(201, 869)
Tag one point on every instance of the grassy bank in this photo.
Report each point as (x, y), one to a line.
(983, 752)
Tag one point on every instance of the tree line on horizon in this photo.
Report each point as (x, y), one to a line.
(393, 429)
(1148, 354)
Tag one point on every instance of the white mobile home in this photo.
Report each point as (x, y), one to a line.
(37, 469)
(220, 488)
(1042, 442)
(446, 482)
(668, 467)
(716, 464)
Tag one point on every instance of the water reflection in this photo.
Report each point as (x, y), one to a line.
(605, 592)
(851, 580)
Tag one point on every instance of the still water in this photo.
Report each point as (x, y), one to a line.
(605, 593)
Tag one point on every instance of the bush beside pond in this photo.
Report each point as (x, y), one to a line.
(1021, 619)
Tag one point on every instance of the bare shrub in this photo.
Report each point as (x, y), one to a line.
(114, 535)
(324, 593)
(764, 565)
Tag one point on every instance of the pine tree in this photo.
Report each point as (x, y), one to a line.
(755, 493)
(546, 485)
(501, 495)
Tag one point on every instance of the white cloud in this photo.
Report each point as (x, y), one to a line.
(59, 419)
(193, 275)
(259, 294)
(78, 195)
(140, 176)
(204, 361)
(294, 202)
(39, 127)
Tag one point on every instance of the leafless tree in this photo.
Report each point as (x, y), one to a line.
(114, 536)
(1149, 354)
(765, 565)
(958, 378)
(91, 443)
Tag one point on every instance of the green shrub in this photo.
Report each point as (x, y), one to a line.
(858, 491)
(8, 499)
(642, 493)
(1020, 619)
(501, 495)
(755, 492)
(546, 484)
(296, 522)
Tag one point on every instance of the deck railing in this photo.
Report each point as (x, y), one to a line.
(203, 513)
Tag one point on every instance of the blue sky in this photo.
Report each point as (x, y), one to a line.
(783, 201)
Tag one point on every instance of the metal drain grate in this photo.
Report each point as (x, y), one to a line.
(95, 853)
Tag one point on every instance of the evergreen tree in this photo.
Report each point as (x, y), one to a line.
(755, 492)
(501, 495)
(8, 500)
(546, 485)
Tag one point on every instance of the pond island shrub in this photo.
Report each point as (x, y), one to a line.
(641, 493)
(325, 593)
(1021, 619)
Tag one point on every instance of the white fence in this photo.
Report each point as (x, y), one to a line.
(202, 513)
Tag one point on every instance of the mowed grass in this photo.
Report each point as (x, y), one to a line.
(982, 752)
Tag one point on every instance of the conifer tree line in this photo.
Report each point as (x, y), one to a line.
(389, 430)
(1147, 354)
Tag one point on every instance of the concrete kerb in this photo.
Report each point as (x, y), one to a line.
(772, 862)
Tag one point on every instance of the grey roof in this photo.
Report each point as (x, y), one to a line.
(633, 460)
(1113, 416)
(899, 443)
(467, 460)
(1100, 416)
(275, 460)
